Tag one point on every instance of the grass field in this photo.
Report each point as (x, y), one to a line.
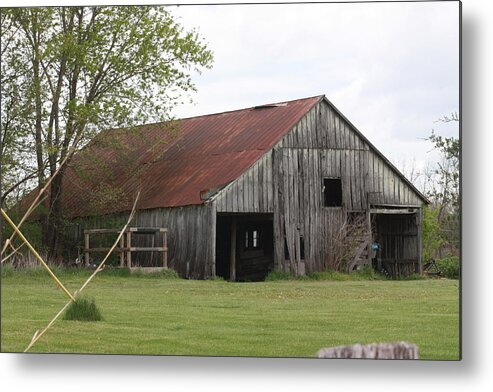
(150, 315)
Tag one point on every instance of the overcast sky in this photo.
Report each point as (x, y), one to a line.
(392, 69)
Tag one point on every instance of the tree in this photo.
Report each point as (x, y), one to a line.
(17, 169)
(444, 191)
(78, 70)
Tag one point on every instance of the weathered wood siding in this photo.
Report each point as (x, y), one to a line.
(251, 192)
(385, 187)
(191, 236)
(190, 240)
(288, 181)
(345, 154)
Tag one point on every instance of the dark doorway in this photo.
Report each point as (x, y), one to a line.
(254, 248)
(398, 239)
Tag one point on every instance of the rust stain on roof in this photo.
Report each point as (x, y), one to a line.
(174, 163)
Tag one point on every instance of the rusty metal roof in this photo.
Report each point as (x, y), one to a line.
(174, 162)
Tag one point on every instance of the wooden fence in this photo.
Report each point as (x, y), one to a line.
(125, 249)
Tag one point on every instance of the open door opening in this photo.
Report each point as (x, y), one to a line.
(397, 236)
(244, 246)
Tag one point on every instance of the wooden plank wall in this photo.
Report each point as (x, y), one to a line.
(323, 145)
(251, 192)
(288, 181)
(191, 236)
(386, 187)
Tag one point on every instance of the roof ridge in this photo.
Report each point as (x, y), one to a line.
(319, 96)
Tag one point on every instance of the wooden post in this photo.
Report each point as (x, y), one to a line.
(213, 239)
(165, 252)
(370, 234)
(232, 257)
(122, 252)
(129, 252)
(86, 249)
(420, 241)
(399, 350)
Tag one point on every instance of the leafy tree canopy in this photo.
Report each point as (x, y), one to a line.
(68, 72)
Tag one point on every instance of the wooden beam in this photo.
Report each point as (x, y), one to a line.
(129, 251)
(232, 256)
(394, 211)
(86, 252)
(122, 253)
(165, 245)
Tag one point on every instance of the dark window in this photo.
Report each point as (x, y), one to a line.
(252, 239)
(332, 192)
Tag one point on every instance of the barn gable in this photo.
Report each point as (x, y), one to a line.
(327, 138)
(285, 191)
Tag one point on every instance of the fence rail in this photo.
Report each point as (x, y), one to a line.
(125, 249)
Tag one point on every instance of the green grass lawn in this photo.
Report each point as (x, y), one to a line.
(149, 315)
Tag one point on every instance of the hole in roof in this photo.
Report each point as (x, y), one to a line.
(269, 106)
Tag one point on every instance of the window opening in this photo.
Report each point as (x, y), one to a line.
(252, 239)
(332, 192)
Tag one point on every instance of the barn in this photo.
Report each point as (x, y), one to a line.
(291, 186)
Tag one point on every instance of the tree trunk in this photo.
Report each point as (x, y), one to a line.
(53, 224)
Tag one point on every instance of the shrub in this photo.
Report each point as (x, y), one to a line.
(83, 310)
(449, 267)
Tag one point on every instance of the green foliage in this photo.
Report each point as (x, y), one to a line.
(450, 267)
(446, 191)
(83, 310)
(31, 230)
(68, 72)
(432, 236)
